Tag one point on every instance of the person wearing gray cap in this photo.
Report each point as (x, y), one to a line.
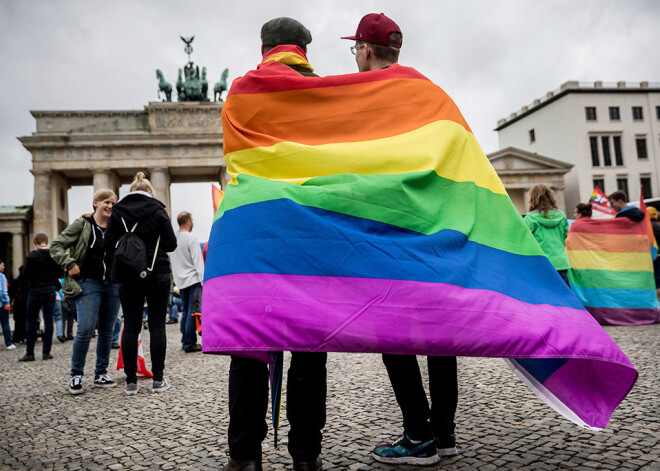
(306, 379)
(428, 433)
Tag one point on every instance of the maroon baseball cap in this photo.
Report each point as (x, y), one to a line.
(376, 28)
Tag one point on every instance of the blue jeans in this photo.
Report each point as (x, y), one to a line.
(6, 330)
(175, 304)
(57, 313)
(98, 303)
(188, 325)
(44, 300)
(115, 334)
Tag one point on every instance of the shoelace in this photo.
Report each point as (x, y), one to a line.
(77, 380)
(103, 378)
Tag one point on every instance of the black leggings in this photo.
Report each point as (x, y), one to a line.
(156, 289)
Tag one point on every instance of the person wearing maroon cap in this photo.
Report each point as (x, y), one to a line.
(428, 433)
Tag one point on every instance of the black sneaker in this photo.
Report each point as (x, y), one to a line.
(47, 356)
(61, 338)
(404, 451)
(115, 345)
(26, 357)
(103, 381)
(75, 385)
(446, 445)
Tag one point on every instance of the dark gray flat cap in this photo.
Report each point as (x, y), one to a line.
(285, 30)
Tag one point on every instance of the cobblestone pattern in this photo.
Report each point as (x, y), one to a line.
(500, 423)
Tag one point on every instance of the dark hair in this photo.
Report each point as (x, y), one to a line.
(384, 53)
(183, 217)
(40, 238)
(618, 196)
(285, 30)
(584, 210)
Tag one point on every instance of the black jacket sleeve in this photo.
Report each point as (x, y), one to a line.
(112, 233)
(167, 236)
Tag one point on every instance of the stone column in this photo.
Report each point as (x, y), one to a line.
(223, 178)
(561, 201)
(17, 252)
(160, 180)
(42, 208)
(106, 179)
(526, 197)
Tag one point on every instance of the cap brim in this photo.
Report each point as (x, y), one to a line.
(349, 37)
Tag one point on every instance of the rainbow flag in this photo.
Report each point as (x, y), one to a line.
(599, 202)
(612, 270)
(363, 216)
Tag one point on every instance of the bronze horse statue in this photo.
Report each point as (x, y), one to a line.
(164, 86)
(221, 86)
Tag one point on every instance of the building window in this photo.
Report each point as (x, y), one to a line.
(607, 158)
(645, 183)
(638, 115)
(641, 148)
(600, 183)
(593, 140)
(590, 112)
(532, 136)
(622, 184)
(618, 156)
(657, 112)
(614, 113)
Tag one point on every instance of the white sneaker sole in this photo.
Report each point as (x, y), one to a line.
(131, 392)
(106, 385)
(418, 460)
(447, 451)
(75, 392)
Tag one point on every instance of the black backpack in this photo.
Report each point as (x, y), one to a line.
(131, 255)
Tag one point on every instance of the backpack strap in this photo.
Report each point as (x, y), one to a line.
(126, 229)
(153, 262)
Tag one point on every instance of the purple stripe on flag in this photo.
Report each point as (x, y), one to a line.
(263, 312)
(578, 376)
(624, 316)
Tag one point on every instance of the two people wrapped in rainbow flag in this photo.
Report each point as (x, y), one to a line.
(363, 216)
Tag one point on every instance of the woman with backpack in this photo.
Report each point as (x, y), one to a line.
(79, 251)
(139, 235)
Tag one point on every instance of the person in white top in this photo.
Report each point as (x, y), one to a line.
(188, 271)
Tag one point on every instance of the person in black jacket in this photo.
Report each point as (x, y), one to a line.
(623, 210)
(155, 229)
(42, 275)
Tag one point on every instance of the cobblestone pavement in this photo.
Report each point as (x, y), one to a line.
(500, 423)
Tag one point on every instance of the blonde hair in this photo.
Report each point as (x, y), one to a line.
(542, 199)
(100, 195)
(140, 183)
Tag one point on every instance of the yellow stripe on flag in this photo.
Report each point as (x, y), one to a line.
(615, 261)
(443, 146)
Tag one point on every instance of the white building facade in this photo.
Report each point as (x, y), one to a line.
(610, 133)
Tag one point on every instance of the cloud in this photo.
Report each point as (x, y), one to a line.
(491, 57)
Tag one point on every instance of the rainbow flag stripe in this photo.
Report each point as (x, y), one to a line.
(612, 270)
(363, 216)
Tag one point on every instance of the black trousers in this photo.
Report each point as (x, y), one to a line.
(156, 289)
(68, 316)
(20, 320)
(406, 380)
(305, 406)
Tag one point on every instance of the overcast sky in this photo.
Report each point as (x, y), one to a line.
(492, 57)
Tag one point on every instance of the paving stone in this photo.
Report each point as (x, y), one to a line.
(500, 423)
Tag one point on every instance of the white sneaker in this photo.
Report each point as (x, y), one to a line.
(11, 347)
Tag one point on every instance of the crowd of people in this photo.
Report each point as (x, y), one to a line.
(81, 276)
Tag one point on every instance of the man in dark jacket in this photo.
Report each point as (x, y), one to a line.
(42, 275)
(618, 202)
(306, 380)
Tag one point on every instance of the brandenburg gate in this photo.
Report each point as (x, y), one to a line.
(171, 142)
